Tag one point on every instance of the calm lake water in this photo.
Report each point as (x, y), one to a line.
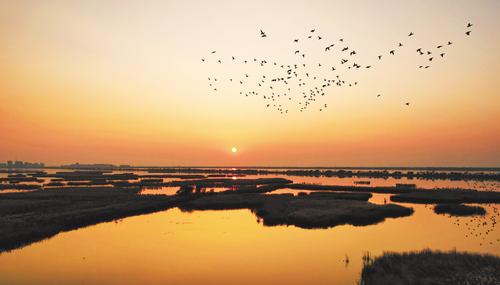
(233, 247)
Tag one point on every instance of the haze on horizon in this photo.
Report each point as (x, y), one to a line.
(121, 82)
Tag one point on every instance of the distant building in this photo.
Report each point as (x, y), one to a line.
(22, 164)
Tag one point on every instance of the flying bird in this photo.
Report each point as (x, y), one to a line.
(468, 33)
(410, 34)
(262, 34)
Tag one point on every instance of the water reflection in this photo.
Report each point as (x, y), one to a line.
(347, 181)
(224, 247)
(152, 190)
(220, 247)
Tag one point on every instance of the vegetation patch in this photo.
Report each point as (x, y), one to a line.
(459, 210)
(448, 197)
(306, 211)
(33, 216)
(431, 267)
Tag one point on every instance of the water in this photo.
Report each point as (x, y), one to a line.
(233, 247)
(347, 181)
(225, 247)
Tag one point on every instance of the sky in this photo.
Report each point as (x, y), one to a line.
(123, 82)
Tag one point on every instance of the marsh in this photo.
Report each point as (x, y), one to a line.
(244, 217)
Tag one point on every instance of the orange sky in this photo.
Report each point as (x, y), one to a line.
(122, 82)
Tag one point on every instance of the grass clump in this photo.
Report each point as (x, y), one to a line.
(459, 210)
(431, 267)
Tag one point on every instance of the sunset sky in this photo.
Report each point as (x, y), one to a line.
(122, 82)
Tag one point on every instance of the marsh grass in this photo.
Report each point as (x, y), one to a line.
(431, 267)
(448, 197)
(459, 210)
(306, 211)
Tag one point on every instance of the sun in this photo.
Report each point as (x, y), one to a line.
(234, 149)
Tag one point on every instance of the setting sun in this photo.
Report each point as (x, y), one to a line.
(117, 120)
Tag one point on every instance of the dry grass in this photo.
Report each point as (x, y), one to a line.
(448, 197)
(33, 216)
(306, 211)
(432, 267)
(459, 210)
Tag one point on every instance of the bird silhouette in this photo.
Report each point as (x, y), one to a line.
(292, 78)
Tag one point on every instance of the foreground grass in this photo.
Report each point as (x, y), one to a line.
(431, 267)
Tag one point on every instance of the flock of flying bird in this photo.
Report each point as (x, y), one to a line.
(299, 83)
(480, 227)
